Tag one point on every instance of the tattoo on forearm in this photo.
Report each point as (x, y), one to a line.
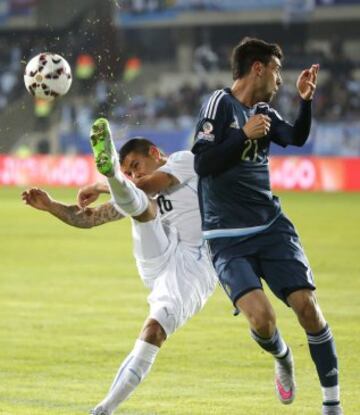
(85, 218)
(105, 213)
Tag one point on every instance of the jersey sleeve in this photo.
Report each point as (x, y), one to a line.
(218, 139)
(212, 122)
(284, 133)
(180, 165)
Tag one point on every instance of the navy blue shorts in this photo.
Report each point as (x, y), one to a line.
(274, 255)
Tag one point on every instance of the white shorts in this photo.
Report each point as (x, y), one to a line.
(181, 277)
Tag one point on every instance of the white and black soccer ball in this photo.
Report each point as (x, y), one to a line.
(48, 76)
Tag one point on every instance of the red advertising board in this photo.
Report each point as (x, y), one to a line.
(287, 173)
(47, 170)
(315, 173)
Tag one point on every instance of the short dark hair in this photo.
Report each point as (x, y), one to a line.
(250, 50)
(138, 144)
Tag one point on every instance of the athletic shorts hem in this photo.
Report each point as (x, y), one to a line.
(242, 293)
(290, 290)
(168, 321)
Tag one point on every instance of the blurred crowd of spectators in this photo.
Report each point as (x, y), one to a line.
(336, 109)
(336, 100)
(10, 72)
(175, 110)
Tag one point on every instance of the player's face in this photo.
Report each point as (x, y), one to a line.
(271, 79)
(137, 165)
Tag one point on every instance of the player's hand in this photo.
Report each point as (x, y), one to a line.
(88, 194)
(37, 198)
(257, 126)
(306, 83)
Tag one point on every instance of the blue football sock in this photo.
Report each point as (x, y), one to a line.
(323, 353)
(274, 345)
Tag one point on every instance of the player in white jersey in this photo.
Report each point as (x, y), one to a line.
(170, 255)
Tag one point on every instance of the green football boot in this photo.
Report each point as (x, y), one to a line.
(105, 154)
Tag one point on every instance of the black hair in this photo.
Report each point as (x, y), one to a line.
(138, 145)
(250, 50)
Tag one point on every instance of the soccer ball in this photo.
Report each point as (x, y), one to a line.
(47, 76)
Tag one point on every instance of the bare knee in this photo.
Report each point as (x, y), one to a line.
(153, 333)
(259, 312)
(263, 322)
(310, 316)
(308, 311)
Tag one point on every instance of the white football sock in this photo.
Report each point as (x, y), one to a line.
(131, 373)
(127, 196)
(331, 393)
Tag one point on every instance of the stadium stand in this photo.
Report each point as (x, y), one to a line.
(153, 90)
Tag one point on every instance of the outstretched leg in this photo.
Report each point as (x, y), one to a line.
(127, 197)
(150, 243)
(321, 345)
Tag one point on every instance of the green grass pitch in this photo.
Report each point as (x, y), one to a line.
(71, 306)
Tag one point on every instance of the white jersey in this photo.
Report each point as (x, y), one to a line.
(179, 206)
(169, 251)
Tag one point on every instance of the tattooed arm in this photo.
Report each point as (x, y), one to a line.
(71, 214)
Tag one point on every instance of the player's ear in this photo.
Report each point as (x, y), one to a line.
(258, 68)
(154, 153)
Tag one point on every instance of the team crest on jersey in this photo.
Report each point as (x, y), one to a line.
(207, 127)
(206, 133)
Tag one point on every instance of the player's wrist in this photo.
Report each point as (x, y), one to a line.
(245, 133)
(305, 97)
(101, 187)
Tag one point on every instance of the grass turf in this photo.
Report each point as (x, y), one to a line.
(72, 305)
